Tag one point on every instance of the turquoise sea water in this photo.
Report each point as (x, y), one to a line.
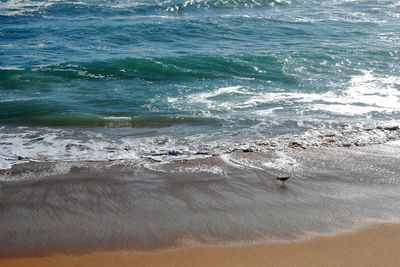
(101, 80)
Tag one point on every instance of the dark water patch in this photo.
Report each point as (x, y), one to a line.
(20, 109)
(157, 69)
(25, 79)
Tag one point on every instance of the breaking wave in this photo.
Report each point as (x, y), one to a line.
(24, 144)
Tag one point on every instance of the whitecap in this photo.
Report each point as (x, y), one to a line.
(4, 164)
(205, 97)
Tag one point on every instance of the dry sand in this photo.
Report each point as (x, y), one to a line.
(377, 245)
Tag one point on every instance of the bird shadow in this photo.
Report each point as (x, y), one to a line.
(283, 188)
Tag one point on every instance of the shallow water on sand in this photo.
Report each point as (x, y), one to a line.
(214, 200)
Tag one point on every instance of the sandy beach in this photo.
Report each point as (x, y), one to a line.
(375, 245)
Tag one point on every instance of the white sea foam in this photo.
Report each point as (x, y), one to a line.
(4, 164)
(19, 7)
(366, 93)
(120, 122)
(200, 168)
(11, 68)
(22, 7)
(279, 161)
(18, 99)
(266, 112)
(206, 97)
(24, 144)
(227, 159)
(282, 162)
(112, 118)
(347, 109)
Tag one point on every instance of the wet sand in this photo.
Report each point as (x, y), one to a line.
(136, 211)
(376, 245)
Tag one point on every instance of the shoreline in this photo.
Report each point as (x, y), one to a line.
(372, 245)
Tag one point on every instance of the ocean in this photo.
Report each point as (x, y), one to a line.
(203, 76)
(183, 100)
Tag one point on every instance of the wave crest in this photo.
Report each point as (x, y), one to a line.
(222, 4)
(156, 69)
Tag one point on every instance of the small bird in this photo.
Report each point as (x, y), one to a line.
(283, 179)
